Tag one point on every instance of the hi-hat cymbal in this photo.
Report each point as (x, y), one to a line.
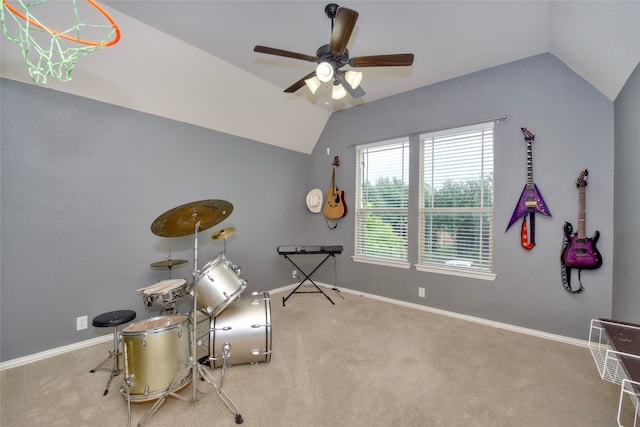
(223, 233)
(168, 263)
(181, 221)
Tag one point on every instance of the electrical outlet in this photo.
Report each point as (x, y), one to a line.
(81, 323)
(421, 293)
(294, 274)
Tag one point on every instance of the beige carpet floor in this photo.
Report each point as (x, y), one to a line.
(360, 362)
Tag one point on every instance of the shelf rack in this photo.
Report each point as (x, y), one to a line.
(615, 347)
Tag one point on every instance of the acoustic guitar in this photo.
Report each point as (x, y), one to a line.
(335, 206)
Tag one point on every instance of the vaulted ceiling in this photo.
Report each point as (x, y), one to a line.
(193, 61)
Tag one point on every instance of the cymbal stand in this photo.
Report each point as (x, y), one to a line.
(199, 371)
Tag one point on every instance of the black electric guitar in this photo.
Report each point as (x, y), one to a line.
(335, 206)
(581, 251)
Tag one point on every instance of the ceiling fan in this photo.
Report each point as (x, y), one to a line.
(335, 55)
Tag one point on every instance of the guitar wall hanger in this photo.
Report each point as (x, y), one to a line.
(530, 200)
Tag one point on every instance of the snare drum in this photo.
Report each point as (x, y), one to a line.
(218, 284)
(165, 292)
(246, 326)
(156, 353)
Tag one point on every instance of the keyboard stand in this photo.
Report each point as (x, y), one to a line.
(307, 277)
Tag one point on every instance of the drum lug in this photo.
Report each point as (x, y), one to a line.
(144, 339)
(261, 326)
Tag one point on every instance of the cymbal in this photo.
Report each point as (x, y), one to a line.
(169, 263)
(180, 221)
(223, 233)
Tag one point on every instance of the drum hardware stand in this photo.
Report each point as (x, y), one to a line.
(175, 384)
(128, 380)
(198, 371)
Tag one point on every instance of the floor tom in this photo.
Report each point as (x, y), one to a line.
(156, 353)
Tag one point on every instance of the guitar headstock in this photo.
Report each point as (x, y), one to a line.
(582, 179)
(528, 134)
(336, 161)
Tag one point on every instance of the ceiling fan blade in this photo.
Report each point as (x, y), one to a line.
(285, 53)
(343, 26)
(355, 93)
(300, 83)
(397, 60)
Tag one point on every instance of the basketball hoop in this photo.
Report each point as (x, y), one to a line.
(48, 51)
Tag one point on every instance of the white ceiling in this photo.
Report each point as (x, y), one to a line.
(193, 61)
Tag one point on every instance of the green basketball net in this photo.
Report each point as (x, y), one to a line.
(48, 51)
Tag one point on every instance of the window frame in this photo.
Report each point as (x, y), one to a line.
(360, 210)
(487, 272)
(414, 208)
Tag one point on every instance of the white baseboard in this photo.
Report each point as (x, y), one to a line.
(54, 352)
(479, 320)
(98, 340)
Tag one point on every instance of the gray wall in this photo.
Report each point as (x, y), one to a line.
(82, 182)
(626, 269)
(574, 130)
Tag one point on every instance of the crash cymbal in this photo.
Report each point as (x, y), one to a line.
(223, 233)
(168, 263)
(180, 221)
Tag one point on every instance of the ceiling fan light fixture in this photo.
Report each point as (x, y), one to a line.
(338, 91)
(324, 72)
(353, 78)
(313, 84)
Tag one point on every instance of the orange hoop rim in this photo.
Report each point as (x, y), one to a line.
(57, 33)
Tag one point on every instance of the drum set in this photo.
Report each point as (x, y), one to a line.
(160, 353)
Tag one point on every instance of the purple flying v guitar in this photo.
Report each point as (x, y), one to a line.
(581, 251)
(530, 200)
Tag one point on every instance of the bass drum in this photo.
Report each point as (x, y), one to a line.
(218, 284)
(156, 354)
(245, 325)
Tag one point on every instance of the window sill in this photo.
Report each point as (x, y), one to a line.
(382, 261)
(462, 272)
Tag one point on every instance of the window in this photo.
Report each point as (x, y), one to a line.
(382, 203)
(444, 209)
(456, 201)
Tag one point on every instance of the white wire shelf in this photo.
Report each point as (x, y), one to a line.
(615, 347)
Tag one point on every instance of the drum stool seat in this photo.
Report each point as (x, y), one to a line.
(112, 319)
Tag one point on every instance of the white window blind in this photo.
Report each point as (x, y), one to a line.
(456, 206)
(382, 201)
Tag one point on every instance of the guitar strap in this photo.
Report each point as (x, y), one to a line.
(528, 239)
(565, 272)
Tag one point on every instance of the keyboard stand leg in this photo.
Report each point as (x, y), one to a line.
(307, 277)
